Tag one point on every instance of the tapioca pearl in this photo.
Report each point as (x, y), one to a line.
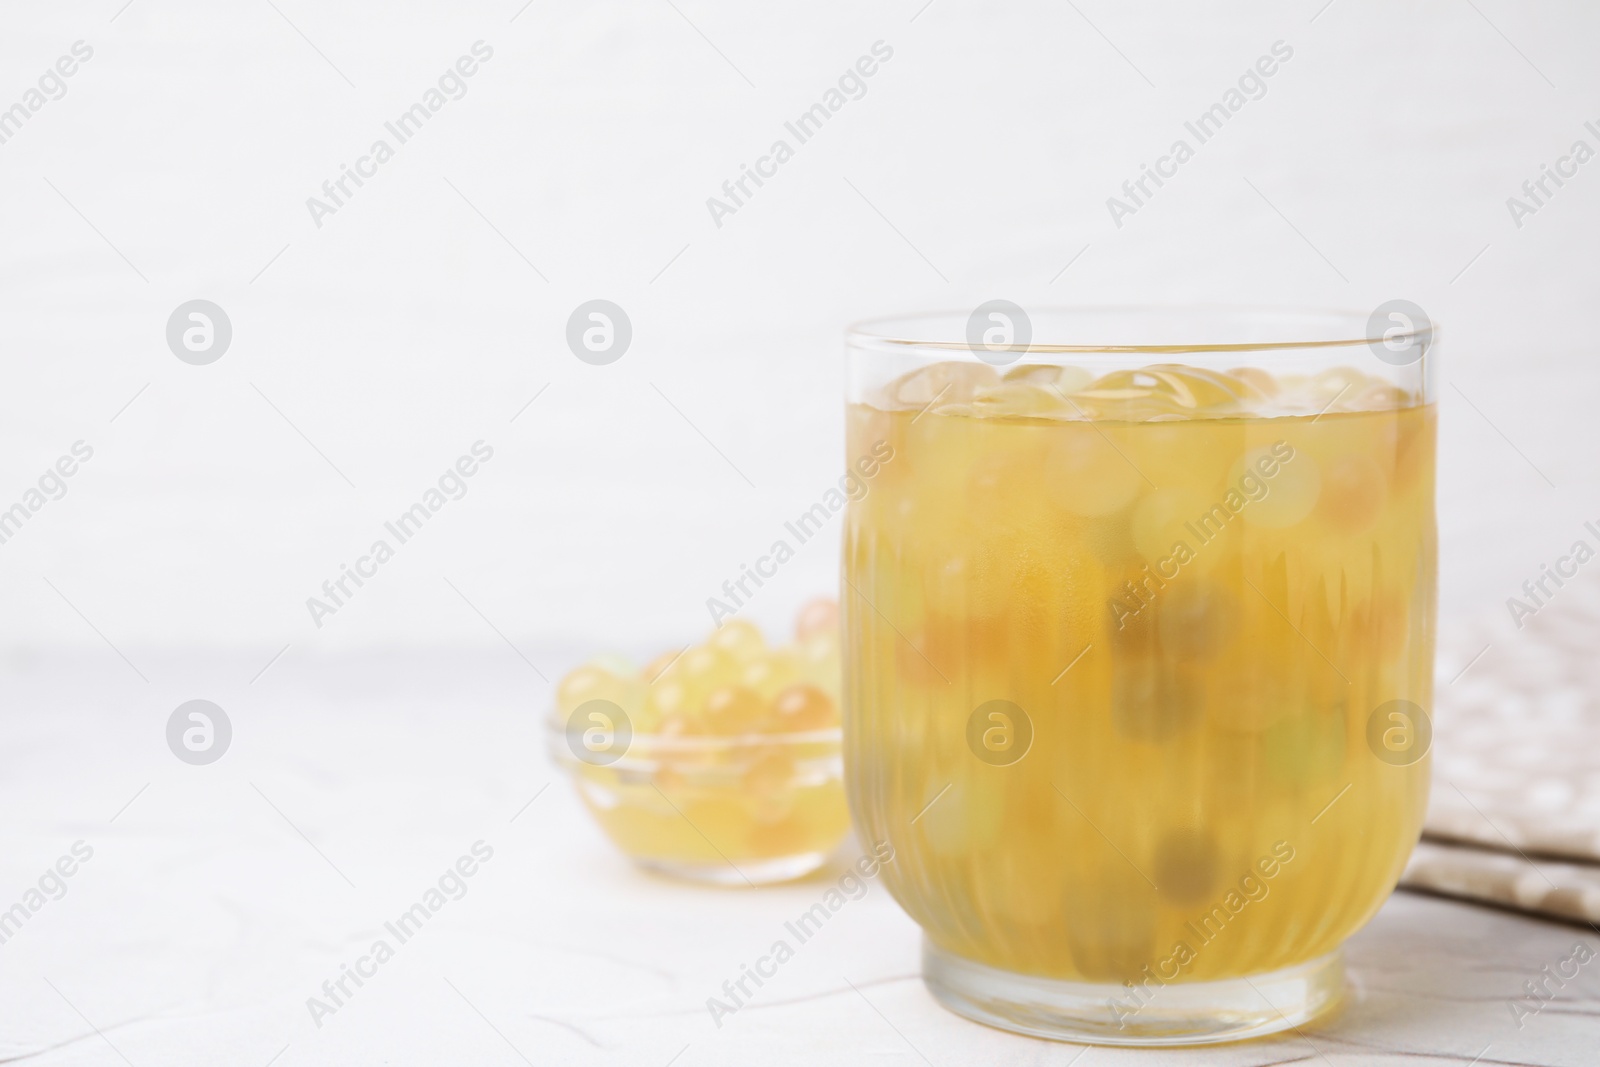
(815, 617)
(1159, 523)
(1381, 396)
(733, 709)
(967, 378)
(1135, 384)
(1195, 618)
(1354, 491)
(942, 383)
(1110, 917)
(802, 708)
(963, 820)
(703, 663)
(1153, 701)
(580, 685)
(679, 751)
(1209, 391)
(1275, 500)
(1086, 475)
(1072, 379)
(667, 698)
(1339, 386)
(1061, 381)
(740, 639)
(1041, 374)
(659, 667)
(1264, 384)
(1172, 390)
(1306, 747)
(682, 725)
(769, 674)
(586, 683)
(704, 669)
(1018, 400)
(1185, 867)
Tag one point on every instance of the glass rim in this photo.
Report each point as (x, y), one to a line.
(1172, 328)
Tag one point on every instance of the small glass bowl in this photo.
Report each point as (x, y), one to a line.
(752, 809)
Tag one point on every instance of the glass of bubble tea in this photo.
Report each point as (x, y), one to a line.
(1138, 623)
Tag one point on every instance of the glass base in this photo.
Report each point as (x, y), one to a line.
(1095, 1013)
(747, 873)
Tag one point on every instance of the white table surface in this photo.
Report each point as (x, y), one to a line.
(221, 897)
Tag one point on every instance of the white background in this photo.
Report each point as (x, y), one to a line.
(406, 328)
(415, 321)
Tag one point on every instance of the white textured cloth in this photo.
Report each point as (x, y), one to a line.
(1547, 887)
(1514, 816)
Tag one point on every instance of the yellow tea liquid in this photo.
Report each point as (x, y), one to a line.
(1113, 653)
